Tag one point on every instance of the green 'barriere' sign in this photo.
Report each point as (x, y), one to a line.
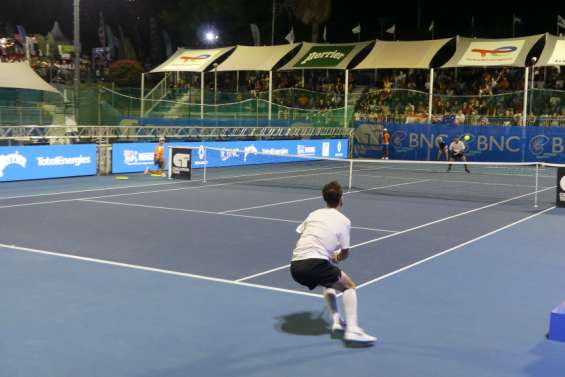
(324, 56)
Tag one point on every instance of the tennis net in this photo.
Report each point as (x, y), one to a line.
(523, 184)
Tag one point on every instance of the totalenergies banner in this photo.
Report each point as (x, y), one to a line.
(191, 60)
(511, 52)
(491, 53)
(483, 143)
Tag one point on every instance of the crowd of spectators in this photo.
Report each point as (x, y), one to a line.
(461, 96)
(465, 96)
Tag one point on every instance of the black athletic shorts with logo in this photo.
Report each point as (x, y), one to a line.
(314, 272)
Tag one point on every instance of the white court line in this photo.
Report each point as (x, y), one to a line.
(449, 218)
(90, 190)
(217, 213)
(151, 269)
(405, 230)
(452, 181)
(318, 196)
(452, 249)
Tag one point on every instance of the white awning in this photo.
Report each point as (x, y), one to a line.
(20, 75)
(184, 60)
(402, 54)
(325, 56)
(553, 53)
(473, 52)
(255, 58)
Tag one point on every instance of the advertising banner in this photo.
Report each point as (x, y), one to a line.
(135, 157)
(484, 143)
(49, 161)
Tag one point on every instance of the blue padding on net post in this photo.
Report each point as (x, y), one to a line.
(557, 323)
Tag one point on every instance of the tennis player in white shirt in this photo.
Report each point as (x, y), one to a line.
(324, 239)
(457, 153)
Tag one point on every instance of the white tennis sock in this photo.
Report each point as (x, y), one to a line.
(331, 303)
(349, 298)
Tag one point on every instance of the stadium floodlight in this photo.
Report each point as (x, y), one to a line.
(210, 36)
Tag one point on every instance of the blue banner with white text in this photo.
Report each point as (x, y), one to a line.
(47, 161)
(483, 143)
(135, 157)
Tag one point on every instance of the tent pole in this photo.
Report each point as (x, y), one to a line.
(142, 110)
(202, 95)
(237, 81)
(525, 109)
(346, 98)
(431, 95)
(270, 94)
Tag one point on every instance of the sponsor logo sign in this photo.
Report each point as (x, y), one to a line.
(492, 53)
(324, 56)
(10, 159)
(37, 162)
(134, 157)
(181, 163)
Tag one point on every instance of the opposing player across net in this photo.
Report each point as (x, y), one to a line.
(401, 179)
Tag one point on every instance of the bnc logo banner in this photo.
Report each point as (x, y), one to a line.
(542, 146)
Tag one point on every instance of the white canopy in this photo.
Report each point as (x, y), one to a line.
(553, 53)
(473, 52)
(20, 75)
(402, 54)
(255, 58)
(325, 56)
(184, 60)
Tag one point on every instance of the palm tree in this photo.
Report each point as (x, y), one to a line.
(310, 12)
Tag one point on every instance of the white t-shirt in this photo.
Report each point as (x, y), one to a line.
(324, 232)
(457, 147)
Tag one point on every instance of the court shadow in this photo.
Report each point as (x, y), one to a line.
(303, 323)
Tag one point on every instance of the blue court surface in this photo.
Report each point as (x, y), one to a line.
(150, 277)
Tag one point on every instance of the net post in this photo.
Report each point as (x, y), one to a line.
(350, 173)
(170, 162)
(536, 186)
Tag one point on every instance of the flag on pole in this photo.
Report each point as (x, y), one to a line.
(560, 22)
(325, 35)
(432, 26)
(290, 36)
(21, 36)
(356, 29)
(517, 20)
(255, 34)
(102, 31)
(392, 29)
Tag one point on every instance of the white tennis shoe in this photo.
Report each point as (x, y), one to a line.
(338, 326)
(359, 336)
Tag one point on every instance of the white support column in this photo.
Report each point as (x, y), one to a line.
(202, 95)
(142, 110)
(431, 96)
(270, 94)
(525, 108)
(346, 98)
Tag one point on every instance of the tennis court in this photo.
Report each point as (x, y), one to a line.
(457, 273)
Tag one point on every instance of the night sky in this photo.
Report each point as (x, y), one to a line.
(492, 18)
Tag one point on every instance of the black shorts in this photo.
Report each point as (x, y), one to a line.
(457, 157)
(314, 272)
(159, 163)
